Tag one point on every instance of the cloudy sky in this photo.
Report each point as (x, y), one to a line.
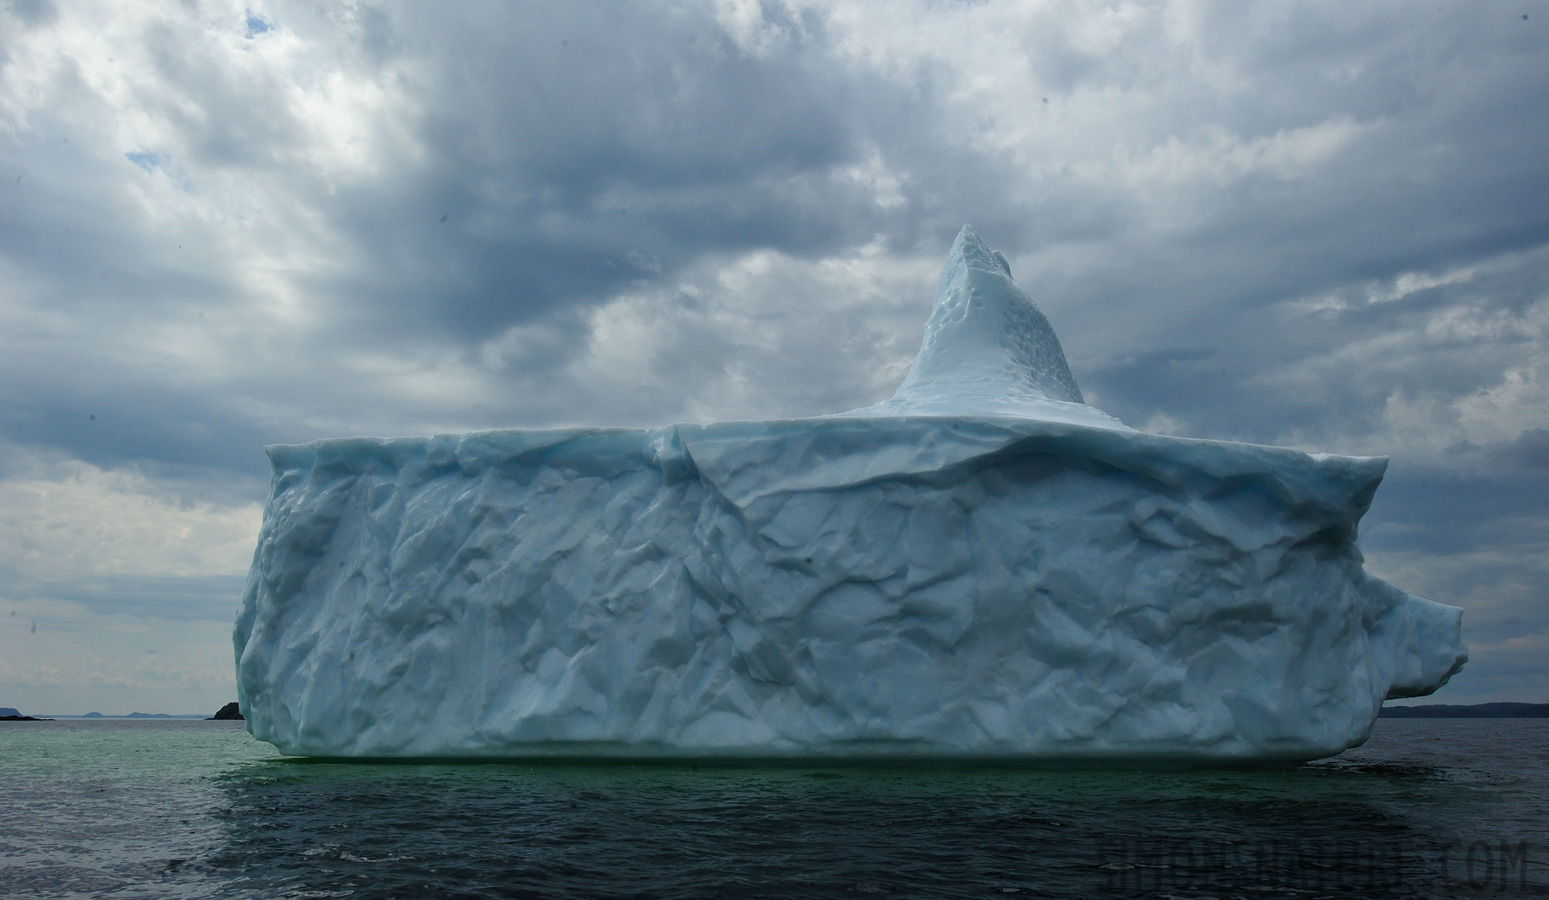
(1316, 224)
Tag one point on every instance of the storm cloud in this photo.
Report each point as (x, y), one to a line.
(226, 225)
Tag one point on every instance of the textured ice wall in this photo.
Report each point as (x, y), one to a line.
(973, 588)
(1044, 585)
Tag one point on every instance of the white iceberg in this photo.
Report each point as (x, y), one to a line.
(981, 568)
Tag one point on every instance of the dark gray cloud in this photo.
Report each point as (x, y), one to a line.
(33, 13)
(1480, 512)
(1530, 450)
(1323, 364)
(548, 159)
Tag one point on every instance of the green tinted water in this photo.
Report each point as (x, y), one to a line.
(199, 809)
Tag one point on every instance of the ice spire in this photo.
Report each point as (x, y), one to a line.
(988, 348)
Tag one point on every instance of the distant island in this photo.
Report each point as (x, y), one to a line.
(1473, 711)
(229, 712)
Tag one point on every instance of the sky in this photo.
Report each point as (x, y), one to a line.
(1322, 225)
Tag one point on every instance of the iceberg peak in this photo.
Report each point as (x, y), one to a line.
(988, 349)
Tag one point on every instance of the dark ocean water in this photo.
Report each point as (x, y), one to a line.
(1427, 808)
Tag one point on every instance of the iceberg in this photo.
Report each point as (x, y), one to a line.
(981, 568)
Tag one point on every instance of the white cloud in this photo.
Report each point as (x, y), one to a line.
(72, 517)
(741, 330)
(79, 662)
(117, 596)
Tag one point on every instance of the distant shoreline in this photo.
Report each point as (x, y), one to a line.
(231, 712)
(137, 715)
(1468, 711)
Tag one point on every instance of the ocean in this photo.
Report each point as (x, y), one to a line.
(1427, 808)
